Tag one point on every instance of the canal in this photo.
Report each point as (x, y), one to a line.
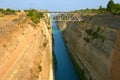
(65, 67)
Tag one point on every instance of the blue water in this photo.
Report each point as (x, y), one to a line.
(65, 68)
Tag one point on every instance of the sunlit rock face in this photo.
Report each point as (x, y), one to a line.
(25, 48)
(95, 45)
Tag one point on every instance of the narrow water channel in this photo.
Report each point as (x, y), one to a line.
(65, 68)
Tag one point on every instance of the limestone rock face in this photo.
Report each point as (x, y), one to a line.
(25, 50)
(94, 44)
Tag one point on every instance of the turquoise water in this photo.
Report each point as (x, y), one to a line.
(65, 68)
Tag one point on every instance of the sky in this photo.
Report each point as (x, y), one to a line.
(54, 5)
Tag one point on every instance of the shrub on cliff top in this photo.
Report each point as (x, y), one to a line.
(34, 15)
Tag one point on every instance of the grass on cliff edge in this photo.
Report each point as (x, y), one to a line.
(34, 15)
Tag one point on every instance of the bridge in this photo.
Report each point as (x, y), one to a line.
(65, 16)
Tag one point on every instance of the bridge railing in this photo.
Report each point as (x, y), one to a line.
(65, 16)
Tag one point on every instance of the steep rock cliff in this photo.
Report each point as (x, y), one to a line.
(25, 49)
(94, 45)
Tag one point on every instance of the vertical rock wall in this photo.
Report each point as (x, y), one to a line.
(94, 45)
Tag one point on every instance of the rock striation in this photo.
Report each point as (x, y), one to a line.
(26, 49)
(94, 45)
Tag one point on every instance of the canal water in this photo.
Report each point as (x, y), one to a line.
(65, 68)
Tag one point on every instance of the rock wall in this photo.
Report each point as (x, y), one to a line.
(95, 45)
(25, 50)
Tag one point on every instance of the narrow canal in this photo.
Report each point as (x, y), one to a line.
(65, 68)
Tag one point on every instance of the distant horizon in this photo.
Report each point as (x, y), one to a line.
(54, 5)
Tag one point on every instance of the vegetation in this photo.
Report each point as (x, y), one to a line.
(34, 15)
(102, 10)
(45, 44)
(40, 68)
(87, 40)
(94, 35)
(1, 10)
(7, 11)
(48, 28)
(112, 7)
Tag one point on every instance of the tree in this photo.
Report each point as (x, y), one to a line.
(110, 5)
(116, 9)
(113, 8)
(100, 8)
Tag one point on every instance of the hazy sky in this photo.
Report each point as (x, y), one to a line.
(54, 5)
